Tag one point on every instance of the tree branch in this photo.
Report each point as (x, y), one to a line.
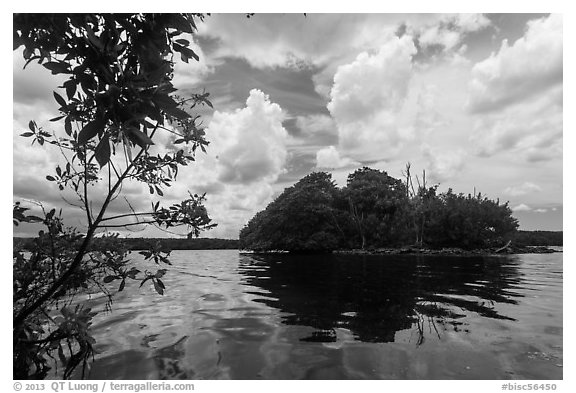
(24, 313)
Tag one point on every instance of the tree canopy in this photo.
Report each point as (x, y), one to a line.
(374, 210)
(300, 219)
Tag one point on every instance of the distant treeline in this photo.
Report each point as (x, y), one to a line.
(537, 238)
(520, 238)
(167, 243)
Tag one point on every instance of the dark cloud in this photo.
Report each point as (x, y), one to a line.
(298, 165)
(213, 188)
(33, 85)
(292, 89)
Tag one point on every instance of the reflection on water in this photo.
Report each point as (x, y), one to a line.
(375, 297)
(227, 315)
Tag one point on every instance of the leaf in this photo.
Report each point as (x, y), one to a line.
(70, 86)
(68, 126)
(27, 134)
(94, 40)
(178, 113)
(61, 101)
(158, 288)
(57, 67)
(32, 125)
(108, 279)
(122, 284)
(102, 152)
(90, 130)
(50, 178)
(139, 138)
(189, 53)
(183, 42)
(146, 279)
(57, 118)
(164, 101)
(185, 52)
(180, 23)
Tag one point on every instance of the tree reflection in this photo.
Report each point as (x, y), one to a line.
(376, 296)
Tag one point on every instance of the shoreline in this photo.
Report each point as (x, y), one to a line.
(452, 251)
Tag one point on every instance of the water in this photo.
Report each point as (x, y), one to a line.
(227, 315)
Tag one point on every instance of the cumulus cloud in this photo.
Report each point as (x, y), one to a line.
(316, 124)
(321, 42)
(277, 40)
(471, 22)
(427, 117)
(250, 142)
(443, 164)
(246, 155)
(522, 189)
(451, 29)
(521, 208)
(436, 35)
(516, 95)
(329, 157)
(533, 131)
(367, 97)
(531, 66)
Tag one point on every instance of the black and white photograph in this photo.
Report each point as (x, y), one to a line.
(288, 196)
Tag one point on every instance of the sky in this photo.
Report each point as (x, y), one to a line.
(475, 100)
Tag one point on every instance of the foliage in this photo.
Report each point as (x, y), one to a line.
(373, 199)
(300, 219)
(538, 238)
(469, 221)
(375, 210)
(117, 97)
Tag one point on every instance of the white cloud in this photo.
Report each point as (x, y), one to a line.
(443, 164)
(249, 142)
(532, 131)
(531, 66)
(451, 29)
(316, 124)
(521, 208)
(540, 210)
(437, 35)
(522, 189)
(329, 157)
(321, 41)
(367, 97)
(516, 95)
(192, 73)
(247, 153)
(471, 22)
(427, 118)
(292, 40)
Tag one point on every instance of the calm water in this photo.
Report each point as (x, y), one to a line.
(227, 315)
